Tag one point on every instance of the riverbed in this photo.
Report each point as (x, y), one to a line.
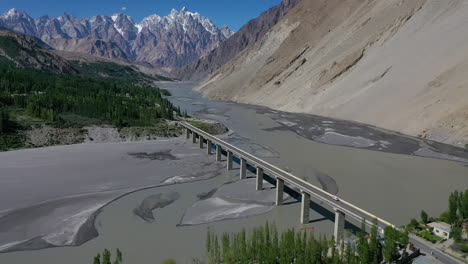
(376, 169)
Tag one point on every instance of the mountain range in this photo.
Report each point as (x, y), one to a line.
(174, 40)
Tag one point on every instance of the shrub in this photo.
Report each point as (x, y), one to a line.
(169, 261)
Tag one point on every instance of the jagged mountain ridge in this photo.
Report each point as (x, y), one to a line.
(247, 35)
(170, 41)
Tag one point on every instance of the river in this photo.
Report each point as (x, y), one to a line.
(394, 186)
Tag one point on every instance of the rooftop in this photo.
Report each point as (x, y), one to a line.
(440, 225)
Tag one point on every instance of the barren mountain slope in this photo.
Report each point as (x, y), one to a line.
(395, 64)
(27, 52)
(247, 35)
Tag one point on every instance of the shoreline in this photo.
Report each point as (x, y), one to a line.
(87, 230)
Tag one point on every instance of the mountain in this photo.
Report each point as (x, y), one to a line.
(395, 64)
(27, 52)
(250, 33)
(170, 41)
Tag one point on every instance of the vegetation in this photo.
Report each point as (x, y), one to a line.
(169, 261)
(115, 71)
(9, 138)
(65, 101)
(106, 257)
(424, 217)
(456, 215)
(211, 128)
(426, 234)
(10, 46)
(267, 245)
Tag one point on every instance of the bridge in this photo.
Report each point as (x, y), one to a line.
(283, 179)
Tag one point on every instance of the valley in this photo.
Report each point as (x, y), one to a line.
(331, 110)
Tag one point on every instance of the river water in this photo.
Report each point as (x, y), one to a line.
(393, 186)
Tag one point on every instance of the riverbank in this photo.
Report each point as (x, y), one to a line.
(71, 192)
(364, 177)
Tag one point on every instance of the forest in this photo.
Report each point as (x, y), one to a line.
(267, 245)
(47, 96)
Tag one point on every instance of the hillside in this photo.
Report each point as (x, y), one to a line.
(247, 35)
(46, 99)
(394, 64)
(27, 52)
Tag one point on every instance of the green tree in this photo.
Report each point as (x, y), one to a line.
(363, 245)
(453, 206)
(424, 217)
(389, 248)
(106, 257)
(4, 118)
(464, 205)
(97, 259)
(118, 257)
(374, 247)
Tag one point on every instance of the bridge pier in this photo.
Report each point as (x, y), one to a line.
(229, 160)
(187, 133)
(279, 191)
(209, 146)
(200, 138)
(243, 168)
(194, 137)
(339, 226)
(305, 208)
(218, 153)
(259, 179)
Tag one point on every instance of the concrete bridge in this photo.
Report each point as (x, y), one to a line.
(284, 180)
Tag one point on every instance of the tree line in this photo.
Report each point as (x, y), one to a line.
(48, 95)
(267, 245)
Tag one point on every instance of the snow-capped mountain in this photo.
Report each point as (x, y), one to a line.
(173, 40)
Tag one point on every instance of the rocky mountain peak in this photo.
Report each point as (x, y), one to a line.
(172, 40)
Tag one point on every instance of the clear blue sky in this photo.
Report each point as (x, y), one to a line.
(233, 13)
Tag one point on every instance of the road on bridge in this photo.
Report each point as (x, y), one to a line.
(346, 207)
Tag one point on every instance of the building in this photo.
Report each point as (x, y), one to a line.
(441, 229)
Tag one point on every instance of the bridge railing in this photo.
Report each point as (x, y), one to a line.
(287, 177)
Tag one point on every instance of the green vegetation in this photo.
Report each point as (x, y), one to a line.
(115, 71)
(424, 217)
(47, 95)
(169, 261)
(106, 257)
(267, 245)
(211, 128)
(426, 234)
(458, 207)
(9, 136)
(120, 98)
(10, 46)
(456, 215)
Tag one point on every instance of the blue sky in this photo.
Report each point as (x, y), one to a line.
(233, 13)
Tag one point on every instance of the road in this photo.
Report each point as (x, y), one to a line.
(346, 207)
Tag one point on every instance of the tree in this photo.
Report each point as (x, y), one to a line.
(118, 257)
(453, 206)
(414, 224)
(363, 245)
(97, 259)
(389, 248)
(374, 243)
(208, 240)
(464, 205)
(424, 217)
(106, 257)
(4, 117)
